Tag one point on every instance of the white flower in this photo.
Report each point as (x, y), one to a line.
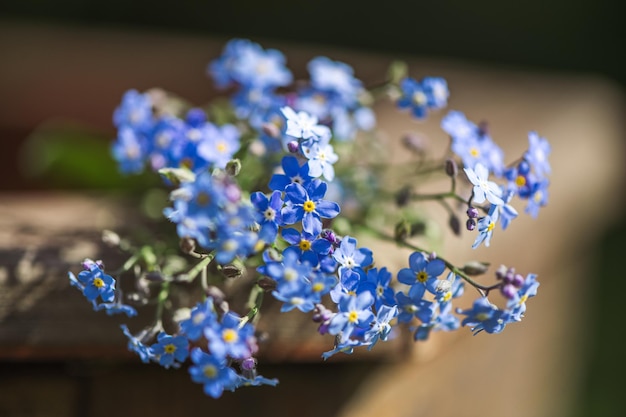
(483, 188)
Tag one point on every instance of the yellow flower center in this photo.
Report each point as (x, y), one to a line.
(221, 147)
(422, 276)
(447, 296)
(170, 348)
(491, 226)
(317, 287)
(474, 152)
(309, 206)
(420, 98)
(203, 199)
(520, 181)
(209, 371)
(353, 316)
(230, 336)
(304, 245)
(98, 283)
(523, 299)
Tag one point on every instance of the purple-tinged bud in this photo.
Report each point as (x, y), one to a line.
(248, 364)
(321, 313)
(293, 146)
(501, 272)
(88, 264)
(508, 291)
(451, 168)
(432, 256)
(329, 235)
(518, 280)
(195, 117)
(470, 224)
(472, 212)
(508, 277)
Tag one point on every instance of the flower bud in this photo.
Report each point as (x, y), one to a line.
(451, 168)
(293, 146)
(508, 291)
(248, 364)
(472, 212)
(475, 268)
(266, 284)
(470, 224)
(501, 272)
(518, 280)
(233, 167)
(402, 196)
(231, 271)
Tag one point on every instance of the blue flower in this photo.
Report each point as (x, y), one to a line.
(306, 204)
(130, 150)
(135, 112)
(381, 328)
(413, 97)
(436, 90)
(377, 282)
(422, 271)
(321, 157)
(213, 372)
(310, 247)
(443, 320)
(414, 305)
(95, 283)
(219, 144)
(353, 312)
(351, 262)
(136, 345)
(335, 78)
(517, 305)
(537, 154)
(228, 338)
(538, 197)
(170, 350)
(293, 174)
(302, 125)
(268, 214)
(484, 316)
(291, 272)
(485, 227)
(202, 315)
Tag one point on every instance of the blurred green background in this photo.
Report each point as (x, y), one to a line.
(565, 36)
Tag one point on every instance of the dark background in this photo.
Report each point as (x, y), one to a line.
(584, 35)
(566, 36)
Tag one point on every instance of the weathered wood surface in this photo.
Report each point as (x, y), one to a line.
(531, 369)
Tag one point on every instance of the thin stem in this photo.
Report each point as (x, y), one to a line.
(482, 289)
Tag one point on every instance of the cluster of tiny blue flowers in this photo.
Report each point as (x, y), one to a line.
(250, 196)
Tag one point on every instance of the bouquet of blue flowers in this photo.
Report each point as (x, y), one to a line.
(274, 185)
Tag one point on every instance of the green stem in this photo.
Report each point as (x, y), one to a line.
(161, 299)
(482, 289)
